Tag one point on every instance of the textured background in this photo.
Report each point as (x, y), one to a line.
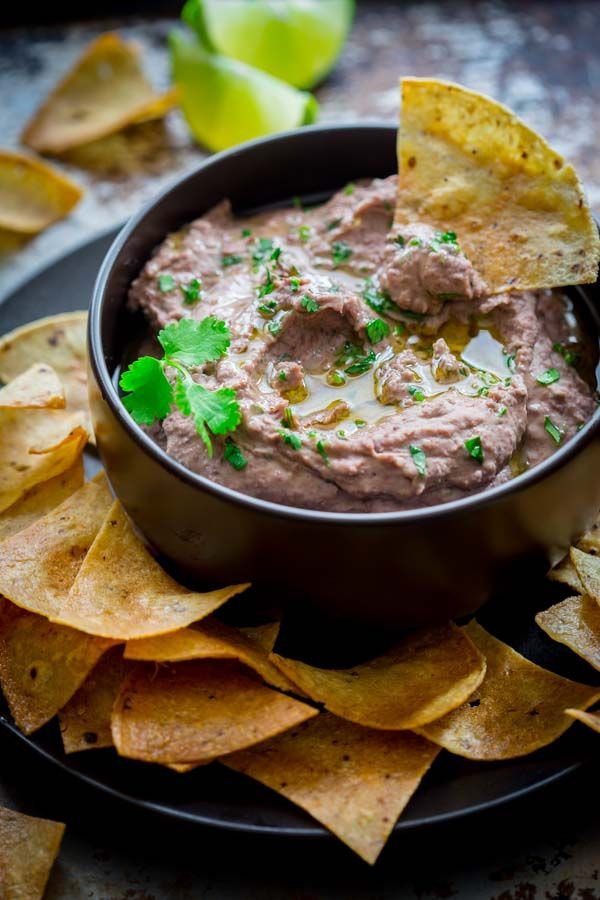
(542, 59)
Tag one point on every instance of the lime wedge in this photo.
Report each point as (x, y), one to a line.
(295, 40)
(226, 102)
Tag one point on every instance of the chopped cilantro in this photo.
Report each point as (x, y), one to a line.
(419, 459)
(340, 252)
(191, 291)
(377, 330)
(399, 329)
(349, 189)
(570, 356)
(275, 254)
(166, 283)
(342, 435)
(246, 232)
(399, 240)
(310, 305)
(295, 284)
(548, 377)
(415, 242)
(379, 301)
(234, 456)
(304, 233)
(511, 362)
(502, 411)
(268, 309)
(291, 439)
(263, 249)
(333, 224)
(150, 395)
(230, 259)
(474, 448)
(360, 423)
(274, 328)
(282, 376)
(335, 378)
(553, 430)
(416, 393)
(483, 391)
(361, 364)
(321, 450)
(268, 286)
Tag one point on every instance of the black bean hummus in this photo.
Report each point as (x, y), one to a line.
(371, 370)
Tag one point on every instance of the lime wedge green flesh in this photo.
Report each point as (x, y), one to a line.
(226, 102)
(295, 40)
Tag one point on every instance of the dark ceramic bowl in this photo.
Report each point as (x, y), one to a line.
(402, 569)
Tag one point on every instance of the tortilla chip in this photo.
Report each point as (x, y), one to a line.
(28, 848)
(38, 565)
(566, 573)
(588, 569)
(85, 720)
(209, 640)
(355, 781)
(591, 719)
(590, 541)
(424, 676)
(42, 665)
(263, 635)
(58, 341)
(197, 711)
(575, 622)
(38, 387)
(468, 164)
(518, 708)
(104, 92)
(33, 195)
(36, 445)
(40, 500)
(131, 596)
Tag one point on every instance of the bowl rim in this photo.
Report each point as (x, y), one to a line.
(470, 503)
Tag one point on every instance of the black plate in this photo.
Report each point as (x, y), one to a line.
(220, 798)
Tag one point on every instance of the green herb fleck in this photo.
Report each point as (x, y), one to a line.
(274, 328)
(263, 248)
(333, 224)
(349, 189)
(342, 435)
(268, 286)
(295, 284)
(511, 362)
(268, 309)
(234, 456)
(275, 254)
(553, 430)
(191, 291)
(166, 283)
(377, 330)
(246, 232)
(282, 376)
(360, 423)
(474, 448)
(570, 357)
(399, 240)
(230, 259)
(307, 303)
(502, 411)
(415, 242)
(321, 450)
(291, 439)
(416, 393)
(419, 459)
(361, 364)
(548, 377)
(340, 252)
(304, 233)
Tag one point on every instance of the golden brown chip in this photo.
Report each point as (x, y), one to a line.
(105, 91)
(588, 569)
(468, 164)
(566, 573)
(28, 848)
(575, 622)
(591, 719)
(38, 387)
(355, 781)
(42, 664)
(425, 675)
(122, 592)
(36, 445)
(210, 639)
(58, 341)
(85, 720)
(33, 195)
(590, 541)
(518, 708)
(40, 500)
(38, 564)
(264, 635)
(197, 711)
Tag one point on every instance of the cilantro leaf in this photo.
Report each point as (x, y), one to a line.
(191, 292)
(234, 456)
(150, 393)
(230, 259)
(377, 330)
(474, 448)
(193, 343)
(419, 458)
(166, 282)
(215, 411)
(340, 252)
(310, 305)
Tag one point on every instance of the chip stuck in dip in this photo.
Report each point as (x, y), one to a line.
(377, 352)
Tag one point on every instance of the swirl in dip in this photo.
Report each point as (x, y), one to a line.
(372, 370)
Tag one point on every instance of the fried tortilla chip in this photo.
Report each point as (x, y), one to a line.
(36, 445)
(40, 500)
(575, 622)
(131, 596)
(590, 541)
(591, 719)
(588, 569)
(42, 664)
(468, 164)
(518, 708)
(355, 781)
(58, 341)
(33, 195)
(424, 676)
(210, 639)
(38, 387)
(28, 848)
(38, 565)
(85, 720)
(104, 92)
(566, 573)
(197, 711)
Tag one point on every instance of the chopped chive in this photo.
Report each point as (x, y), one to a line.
(291, 439)
(553, 430)
(548, 377)
(320, 445)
